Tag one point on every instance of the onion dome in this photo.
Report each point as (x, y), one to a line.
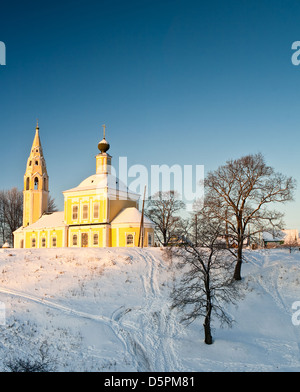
(103, 145)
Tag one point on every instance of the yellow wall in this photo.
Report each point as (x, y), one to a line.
(48, 234)
(119, 236)
(90, 231)
(90, 200)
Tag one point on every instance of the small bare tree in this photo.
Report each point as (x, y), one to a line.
(162, 209)
(206, 284)
(38, 362)
(11, 212)
(52, 207)
(239, 193)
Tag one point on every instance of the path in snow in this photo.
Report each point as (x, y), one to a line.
(150, 339)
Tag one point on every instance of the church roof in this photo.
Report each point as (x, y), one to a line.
(47, 221)
(114, 186)
(131, 215)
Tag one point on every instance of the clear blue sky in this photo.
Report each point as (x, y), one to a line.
(176, 81)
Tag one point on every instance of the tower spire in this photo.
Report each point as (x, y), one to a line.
(35, 194)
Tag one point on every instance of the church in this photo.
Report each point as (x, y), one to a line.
(100, 212)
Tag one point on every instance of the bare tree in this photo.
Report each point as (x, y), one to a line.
(162, 209)
(52, 207)
(11, 212)
(239, 192)
(206, 284)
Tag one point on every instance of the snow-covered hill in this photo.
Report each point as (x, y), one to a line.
(109, 310)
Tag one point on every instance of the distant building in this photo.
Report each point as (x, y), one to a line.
(100, 212)
(281, 237)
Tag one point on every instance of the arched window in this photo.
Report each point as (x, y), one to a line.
(27, 183)
(96, 239)
(129, 240)
(45, 184)
(36, 183)
(150, 239)
(22, 244)
(74, 240)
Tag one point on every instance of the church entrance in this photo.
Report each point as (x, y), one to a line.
(84, 240)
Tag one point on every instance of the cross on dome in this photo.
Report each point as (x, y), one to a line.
(103, 146)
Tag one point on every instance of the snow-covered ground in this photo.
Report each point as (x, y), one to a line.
(109, 310)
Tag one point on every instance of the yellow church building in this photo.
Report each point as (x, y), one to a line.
(100, 212)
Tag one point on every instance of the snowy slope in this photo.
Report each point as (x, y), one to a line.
(109, 310)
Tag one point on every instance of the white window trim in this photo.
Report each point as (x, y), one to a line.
(98, 204)
(33, 237)
(133, 235)
(73, 219)
(92, 238)
(82, 211)
(152, 239)
(53, 236)
(77, 239)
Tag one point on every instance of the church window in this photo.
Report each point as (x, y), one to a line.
(33, 242)
(27, 183)
(36, 162)
(45, 184)
(54, 242)
(75, 212)
(96, 239)
(43, 242)
(96, 210)
(36, 183)
(29, 163)
(150, 239)
(129, 240)
(74, 240)
(85, 211)
(22, 244)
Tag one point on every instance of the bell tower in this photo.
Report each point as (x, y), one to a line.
(35, 193)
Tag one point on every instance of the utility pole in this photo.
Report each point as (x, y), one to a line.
(141, 236)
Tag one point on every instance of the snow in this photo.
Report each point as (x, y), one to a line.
(114, 186)
(47, 221)
(109, 310)
(278, 236)
(131, 215)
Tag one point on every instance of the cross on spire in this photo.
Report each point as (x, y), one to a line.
(104, 126)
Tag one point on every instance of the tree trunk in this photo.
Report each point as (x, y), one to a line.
(207, 331)
(206, 325)
(238, 267)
